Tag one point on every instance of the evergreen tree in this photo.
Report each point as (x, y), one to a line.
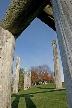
(21, 79)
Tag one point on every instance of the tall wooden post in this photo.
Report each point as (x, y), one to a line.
(7, 44)
(16, 77)
(58, 80)
(63, 21)
(27, 79)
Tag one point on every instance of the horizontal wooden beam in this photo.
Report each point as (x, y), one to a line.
(47, 19)
(20, 13)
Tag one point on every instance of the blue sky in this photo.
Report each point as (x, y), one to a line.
(34, 45)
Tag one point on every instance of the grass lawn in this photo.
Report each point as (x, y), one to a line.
(40, 96)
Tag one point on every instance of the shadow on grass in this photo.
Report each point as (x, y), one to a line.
(16, 101)
(52, 90)
(29, 102)
(45, 88)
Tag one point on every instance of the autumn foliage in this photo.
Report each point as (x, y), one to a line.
(42, 73)
(34, 76)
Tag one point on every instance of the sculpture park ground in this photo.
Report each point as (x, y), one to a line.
(18, 17)
(40, 96)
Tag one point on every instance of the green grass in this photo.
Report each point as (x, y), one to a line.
(41, 96)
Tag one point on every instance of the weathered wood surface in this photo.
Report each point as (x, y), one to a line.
(7, 43)
(16, 77)
(20, 13)
(47, 19)
(27, 79)
(63, 21)
(58, 80)
(48, 16)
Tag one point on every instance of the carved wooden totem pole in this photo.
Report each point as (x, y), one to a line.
(58, 80)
